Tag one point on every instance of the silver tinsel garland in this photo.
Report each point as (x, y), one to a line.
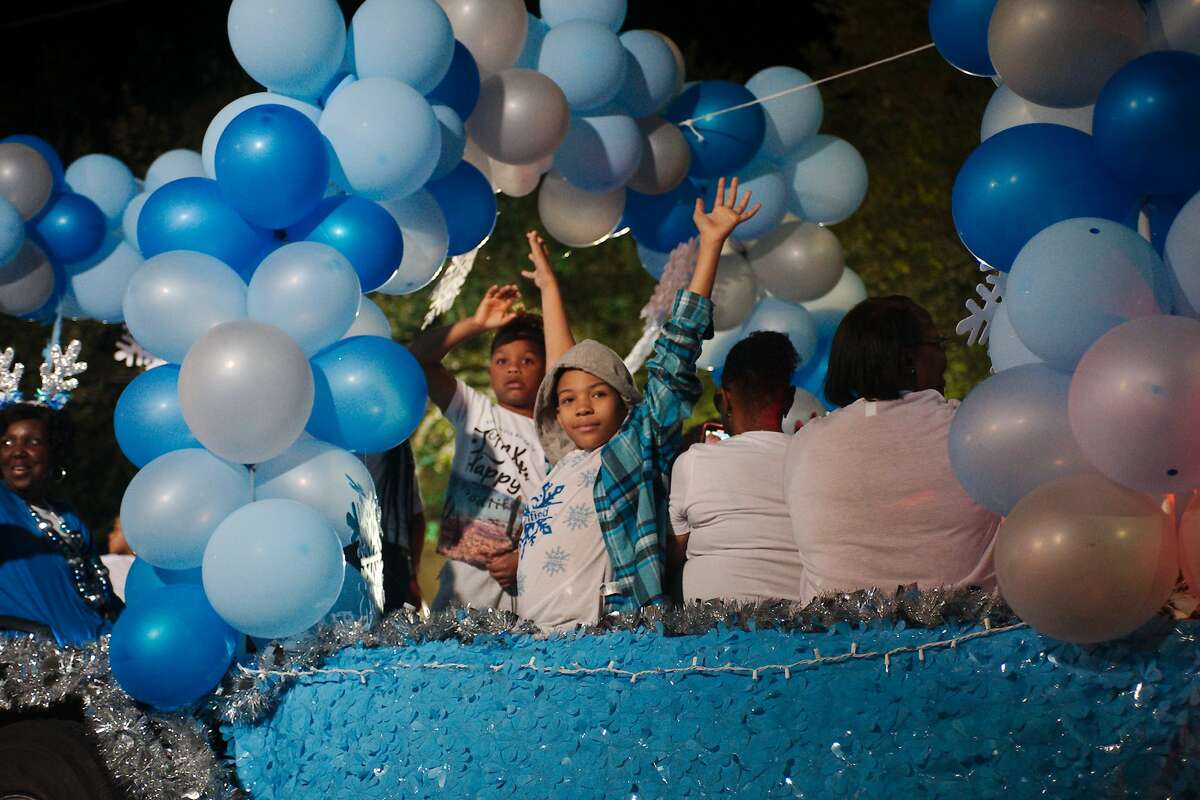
(166, 756)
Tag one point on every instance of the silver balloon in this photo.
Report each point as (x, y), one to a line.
(426, 242)
(521, 117)
(1007, 110)
(1060, 53)
(666, 157)
(492, 30)
(515, 180)
(1085, 560)
(575, 217)
(322, 477)
(25, 178)
(370, 321)
(1174, 25)
(734, 291)
(798, 261)
(26, 282)
(246, 391)
(473, 154)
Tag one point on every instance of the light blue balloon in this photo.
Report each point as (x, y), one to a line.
(1005, 348)
(99, 284)
(129, 219)
(1078, 279)
(792, 319)
(586, 60)
(308, 290)
(370, 321)
(410, 41)
(144, 578)
(104, 180)
(1182, 253)
(610, 13)
(12, 231)
(385, 137)
(600, 154)
(827, 180)
(792, 118)
(174, 503)
(767, 186)
(293, 47)
(175, 297)
(426, 242)
(652, 261)
(535, 35)
(714, 351)
(173, 165)
(328, 479)
(454, 141)
(273, 568)
(208, 149)
(1012, 434)
(651, 75)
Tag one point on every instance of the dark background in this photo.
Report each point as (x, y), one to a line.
(134, 78)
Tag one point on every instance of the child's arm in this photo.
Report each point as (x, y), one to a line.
(715, 227)
(494, 311)
(554, 313)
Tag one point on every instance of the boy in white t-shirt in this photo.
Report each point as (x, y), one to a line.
(496, 448)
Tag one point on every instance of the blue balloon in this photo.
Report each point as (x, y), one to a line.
(385, 137)
(370, 394)
(192, 214)
(144, 578)
(651, 75)
(535, 36)
(610, 13)
(361, 231)
(791, 118)
(811, 375)
(454, 141)
(600, 154)
(171, 649)
(827, 180)
(586, 60)
(175, 165)
(308, 290)
(662, 221)
(48, 153)
(960, 33)
(459, 89)
(652, 261)
(1025, 179)
(208, 148)
(98, 285)
(70, 228)
(1077, 280)
(730, 140)
(104, 180)
(292, 49)
(147, 420)
(272, 165)
(411, 42)
(273, 568)
(1147, 120)
(792, 319)
(12, 231)
(469, 204)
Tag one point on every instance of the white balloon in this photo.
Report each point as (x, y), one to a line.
(804, 408)
(322, 477)
(848, 293)
(370, 321)
(1007, 109)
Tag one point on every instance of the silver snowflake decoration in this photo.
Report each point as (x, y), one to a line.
(366, 519)
(449, 286)
(132, 354)
(977, 326)
(10, 379)
(59, 375)
(556, 561)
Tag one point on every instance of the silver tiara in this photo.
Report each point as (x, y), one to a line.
(58, 377)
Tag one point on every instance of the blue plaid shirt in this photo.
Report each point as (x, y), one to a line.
(633, 487)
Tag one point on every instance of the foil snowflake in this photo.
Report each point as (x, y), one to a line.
(978, 325)
(449, 286)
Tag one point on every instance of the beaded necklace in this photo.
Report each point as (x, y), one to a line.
(89, 575)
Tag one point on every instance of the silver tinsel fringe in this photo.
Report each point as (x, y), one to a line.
(167, 756)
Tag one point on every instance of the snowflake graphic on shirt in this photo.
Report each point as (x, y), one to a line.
(579, 516)
(520, 584)
(556, 561)
(588, 477)
(535, 516)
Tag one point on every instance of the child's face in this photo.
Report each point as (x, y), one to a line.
(590, 411)
(516, 371)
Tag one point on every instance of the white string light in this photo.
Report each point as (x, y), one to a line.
(690, 123)
(634, 675)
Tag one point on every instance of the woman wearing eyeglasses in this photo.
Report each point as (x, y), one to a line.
(51, 579)
(872, 498)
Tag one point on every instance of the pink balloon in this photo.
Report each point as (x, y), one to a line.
(1134, 404)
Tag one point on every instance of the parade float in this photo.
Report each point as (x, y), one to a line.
(373, 154)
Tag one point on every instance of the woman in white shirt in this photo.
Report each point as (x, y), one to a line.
(728, 515)
(873, 500)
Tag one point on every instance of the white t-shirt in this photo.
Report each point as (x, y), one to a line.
(729, 497)
(496, 452)
(564, 564)
(874, 502)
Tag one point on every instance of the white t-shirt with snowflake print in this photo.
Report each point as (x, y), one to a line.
(564, 564)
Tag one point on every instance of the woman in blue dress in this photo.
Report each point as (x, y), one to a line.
(51, 578)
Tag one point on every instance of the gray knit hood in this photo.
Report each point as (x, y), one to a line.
(589, 356)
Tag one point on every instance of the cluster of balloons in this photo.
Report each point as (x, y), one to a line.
(1085, 438)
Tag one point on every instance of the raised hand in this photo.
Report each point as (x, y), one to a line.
(727, 213)
(496, 308)
(542, 273)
